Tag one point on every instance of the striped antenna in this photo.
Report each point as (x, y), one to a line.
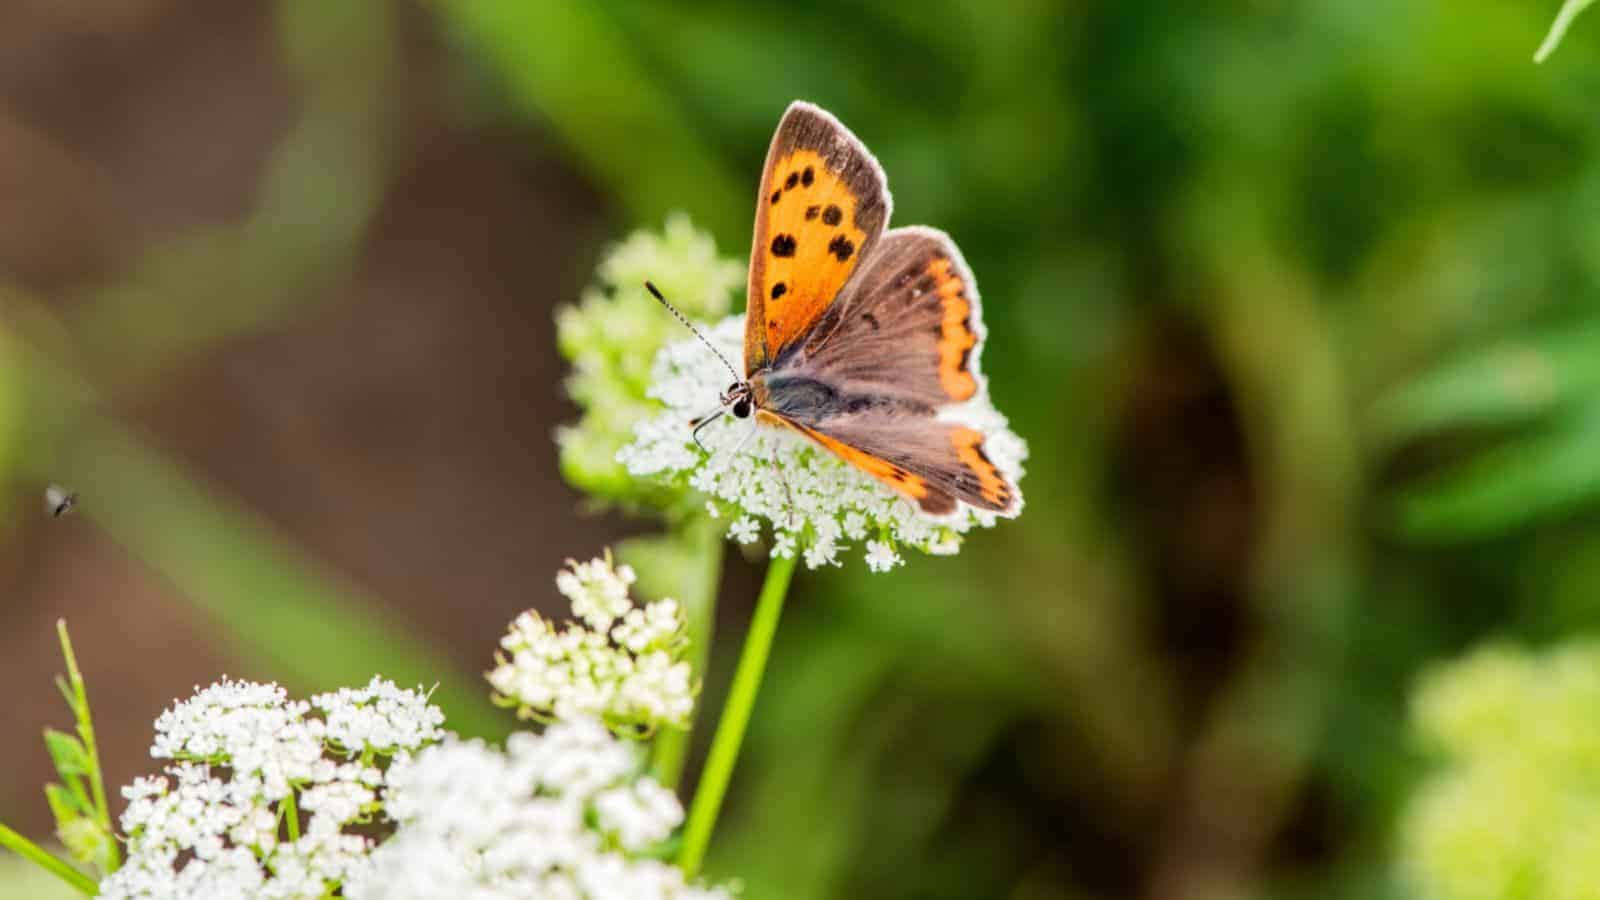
(687, 324)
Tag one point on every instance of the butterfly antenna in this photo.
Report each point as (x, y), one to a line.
(689, 325)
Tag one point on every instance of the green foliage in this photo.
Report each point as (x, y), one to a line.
(83, 816)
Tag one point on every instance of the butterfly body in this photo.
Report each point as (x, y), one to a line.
(863, 339)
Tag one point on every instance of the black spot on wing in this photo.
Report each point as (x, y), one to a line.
(807, 176)
(841, 247)
(811, 212)
(779, 289)
(783, 245)
(777, 195)
(791, 181)
(830, 216)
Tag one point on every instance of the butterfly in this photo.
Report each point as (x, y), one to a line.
(860, 337)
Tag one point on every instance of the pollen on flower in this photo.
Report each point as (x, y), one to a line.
(620, 663)
(814, 501)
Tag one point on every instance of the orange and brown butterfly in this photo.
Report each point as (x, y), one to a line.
(860, 338)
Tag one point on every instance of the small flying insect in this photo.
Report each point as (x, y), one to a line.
(58, 501)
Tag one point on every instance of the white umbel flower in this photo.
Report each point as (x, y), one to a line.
(813, 499)
(241, 751)
(378, 718)
(621, 663)
(483, 824)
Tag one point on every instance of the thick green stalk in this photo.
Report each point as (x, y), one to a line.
(37, 855)
(291, 815)
(735, 716)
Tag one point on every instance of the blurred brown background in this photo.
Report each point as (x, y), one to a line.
(397, 427)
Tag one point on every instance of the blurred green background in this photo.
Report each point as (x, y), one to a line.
(1298, 304)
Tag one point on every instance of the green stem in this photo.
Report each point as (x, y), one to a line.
(80, 710)
(735, 716)
(291, 815)
(37, 855)
(699, 539)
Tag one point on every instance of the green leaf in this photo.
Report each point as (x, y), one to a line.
(64, 804)
(67, 693)
(1509, 487)
(1509, 384)
(66, 752)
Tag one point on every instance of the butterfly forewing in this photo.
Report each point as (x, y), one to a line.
(822, 206)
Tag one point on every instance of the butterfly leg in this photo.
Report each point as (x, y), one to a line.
(742, 442)
(788, 493)
(701, 422)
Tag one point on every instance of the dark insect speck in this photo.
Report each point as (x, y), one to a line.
(783, 245)
(871, 319)
(841, 247)
(791, 181)
(779, 289)
(58, 501)
(831, 215)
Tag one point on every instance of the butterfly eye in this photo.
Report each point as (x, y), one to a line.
(741, 409)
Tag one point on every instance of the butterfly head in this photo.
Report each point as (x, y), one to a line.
(739, 399)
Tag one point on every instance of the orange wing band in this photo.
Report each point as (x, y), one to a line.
(956, 335)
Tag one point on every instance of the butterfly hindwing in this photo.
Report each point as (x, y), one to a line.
(932, 462)
(822, 206)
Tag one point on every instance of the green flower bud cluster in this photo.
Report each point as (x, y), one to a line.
(611, 338)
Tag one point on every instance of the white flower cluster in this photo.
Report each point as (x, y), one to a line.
(815, 500)
(621, 664)
(550, 817)
(247, 762)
